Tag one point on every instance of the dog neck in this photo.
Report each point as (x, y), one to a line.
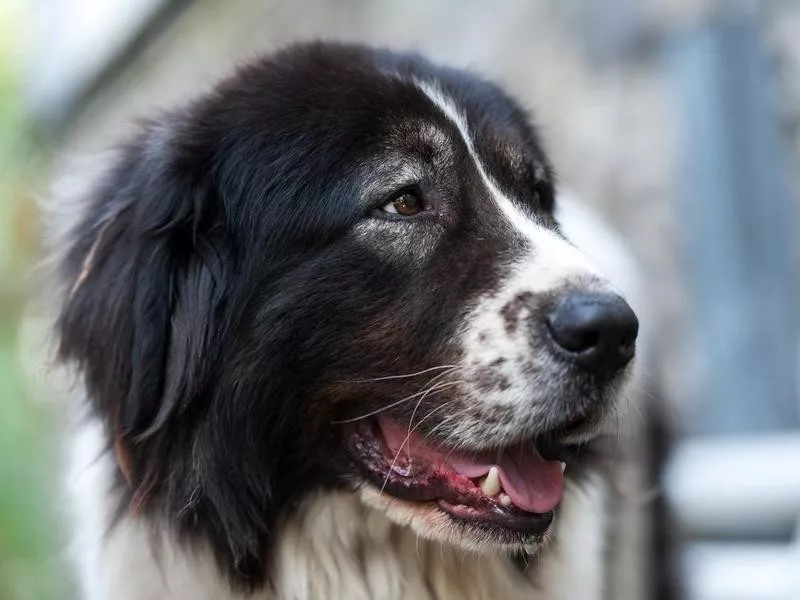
(339, 548)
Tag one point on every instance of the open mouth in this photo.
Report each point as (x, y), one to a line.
(510, 490)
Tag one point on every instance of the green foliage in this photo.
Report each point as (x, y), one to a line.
(30, 548)
(29, 555)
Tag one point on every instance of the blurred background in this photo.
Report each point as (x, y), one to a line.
(678, 120)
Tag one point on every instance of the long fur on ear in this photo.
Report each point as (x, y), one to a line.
(157, 292)
(145, 280)
(149, 273)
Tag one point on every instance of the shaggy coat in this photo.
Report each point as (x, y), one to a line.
(334, 245)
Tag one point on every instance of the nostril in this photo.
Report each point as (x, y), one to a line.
(598, 330)
(571, 337)
(589, 339)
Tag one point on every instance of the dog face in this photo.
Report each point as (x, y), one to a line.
(341, 269)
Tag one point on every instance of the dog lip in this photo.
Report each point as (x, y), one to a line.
(457, 494)
(508, 518)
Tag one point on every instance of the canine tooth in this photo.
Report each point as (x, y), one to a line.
(505, 499)
(563, 466)
(491, 484)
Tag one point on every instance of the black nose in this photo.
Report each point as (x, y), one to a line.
(598, 330)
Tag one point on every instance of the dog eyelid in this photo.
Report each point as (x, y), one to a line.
(405, 203)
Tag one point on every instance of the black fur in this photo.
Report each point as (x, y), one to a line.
(221, 305)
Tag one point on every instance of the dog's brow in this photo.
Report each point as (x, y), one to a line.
(448, 107)
(392, 172)
(434, 135)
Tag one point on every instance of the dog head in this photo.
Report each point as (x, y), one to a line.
(341, 269)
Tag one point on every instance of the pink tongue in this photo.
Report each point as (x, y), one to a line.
(533, 483)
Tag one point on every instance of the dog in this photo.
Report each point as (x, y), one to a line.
(334, 337)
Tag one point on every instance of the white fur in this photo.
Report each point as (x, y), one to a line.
(581, 534)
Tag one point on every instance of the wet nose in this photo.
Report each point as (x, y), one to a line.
(597, 330)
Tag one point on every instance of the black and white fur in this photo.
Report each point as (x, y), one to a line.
(232, 277)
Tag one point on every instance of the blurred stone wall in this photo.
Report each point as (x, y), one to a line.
(592, 78)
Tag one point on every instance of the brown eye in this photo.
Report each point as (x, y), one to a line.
(406, 205)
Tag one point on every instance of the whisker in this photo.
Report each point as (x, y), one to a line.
(386, 377)
(397, 402)
(414, 412)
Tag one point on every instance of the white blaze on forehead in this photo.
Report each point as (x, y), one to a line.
(554, 257)
(450, 110)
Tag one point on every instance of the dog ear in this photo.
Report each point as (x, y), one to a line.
(146, 277)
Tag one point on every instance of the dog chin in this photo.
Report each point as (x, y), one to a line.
(430, 522)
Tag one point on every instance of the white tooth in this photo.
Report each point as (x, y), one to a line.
(563, 466)
(491, 484)
(505, 499)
